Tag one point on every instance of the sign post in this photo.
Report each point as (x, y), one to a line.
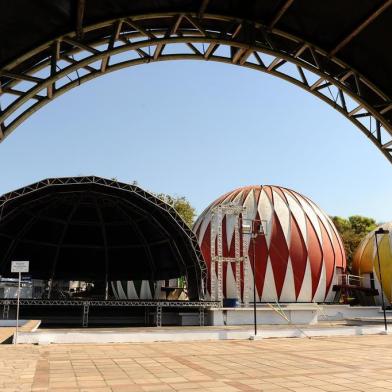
(18, 267)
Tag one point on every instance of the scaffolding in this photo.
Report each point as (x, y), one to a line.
(240, 254)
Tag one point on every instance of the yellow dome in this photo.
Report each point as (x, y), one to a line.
(365, 262)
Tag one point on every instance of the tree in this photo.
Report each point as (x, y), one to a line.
(187, 213)
(352, 231)
(362, 225)
(181, 205)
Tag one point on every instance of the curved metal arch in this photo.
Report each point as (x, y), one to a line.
(136, 40)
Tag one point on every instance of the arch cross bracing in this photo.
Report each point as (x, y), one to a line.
(331, 49)
(96, 229)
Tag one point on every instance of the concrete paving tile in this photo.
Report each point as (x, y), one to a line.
(67, 389)
(63, 384)
(127, 388)
(212, 384)
(88, 378)
(380, 383)
(146, 380)
(378, 389)
(91, 383)
(198, 378)
(295, 365)
(157, 388)
(183, 386)
(170, 380)
(226, 388)
(332, 387)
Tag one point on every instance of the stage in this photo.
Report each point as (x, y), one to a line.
(146, 312)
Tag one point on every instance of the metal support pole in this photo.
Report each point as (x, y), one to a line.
(213, 281)
(237, 255)
(86, 307)
(201, 316)
(106, 289)
(6, 310)
(220, 254)
(17, 310)
(50, 284)
(246, 266)
(238, 279)
(254, 284)
(220, 280)
(159, 316)
(246, 277)
(213, 256)
(382, 289)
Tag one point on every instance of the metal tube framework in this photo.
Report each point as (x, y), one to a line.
(217, 258)
(74, 58)
(201, 271)
(110, 303)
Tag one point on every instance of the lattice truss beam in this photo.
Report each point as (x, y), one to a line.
(80, 56)
(110, 303)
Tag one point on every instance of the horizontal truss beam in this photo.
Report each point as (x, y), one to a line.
(112, 303)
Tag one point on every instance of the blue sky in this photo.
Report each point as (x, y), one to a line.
(200, 129)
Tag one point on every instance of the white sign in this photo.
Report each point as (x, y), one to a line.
(19, 266)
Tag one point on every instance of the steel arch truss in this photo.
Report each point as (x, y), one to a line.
(28, 84)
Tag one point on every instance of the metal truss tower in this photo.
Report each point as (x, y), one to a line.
(240, 254)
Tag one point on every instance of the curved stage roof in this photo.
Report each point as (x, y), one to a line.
(94, 229)
(336, 50)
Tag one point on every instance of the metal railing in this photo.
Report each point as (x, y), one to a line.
(349, 280)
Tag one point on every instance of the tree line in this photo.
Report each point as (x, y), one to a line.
(353, 230)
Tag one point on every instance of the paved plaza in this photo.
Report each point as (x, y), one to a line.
(361, 363)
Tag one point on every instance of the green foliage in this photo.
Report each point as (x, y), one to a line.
(361, 224)
(341, 224)
(352, 231)
(181, 282)
(181, 205)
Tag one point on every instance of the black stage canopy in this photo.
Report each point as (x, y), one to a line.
(337, 50)
(94, 229)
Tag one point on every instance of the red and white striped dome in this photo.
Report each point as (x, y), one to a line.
(298, 258)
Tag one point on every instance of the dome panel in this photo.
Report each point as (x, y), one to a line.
(298, 255)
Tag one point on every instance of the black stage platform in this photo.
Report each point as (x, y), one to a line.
(139, 312)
